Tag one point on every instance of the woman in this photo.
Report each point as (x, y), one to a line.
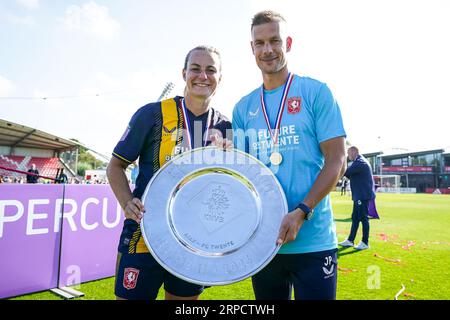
(157, 132)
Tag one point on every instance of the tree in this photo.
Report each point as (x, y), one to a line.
(82, 167)
(87, 161)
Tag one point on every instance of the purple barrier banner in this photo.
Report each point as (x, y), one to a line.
(29, 243)
(30, 235)
(92, 225)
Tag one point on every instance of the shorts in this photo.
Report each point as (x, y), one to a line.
(313, 276)
(139, 277)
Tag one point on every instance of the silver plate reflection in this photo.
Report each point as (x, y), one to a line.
(212, 216)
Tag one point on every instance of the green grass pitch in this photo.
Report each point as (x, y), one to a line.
(409, 248)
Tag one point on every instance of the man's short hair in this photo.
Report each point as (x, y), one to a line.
(266, 16)
(208, 49)
(354, 148)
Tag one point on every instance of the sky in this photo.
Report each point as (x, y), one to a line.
(80, 69)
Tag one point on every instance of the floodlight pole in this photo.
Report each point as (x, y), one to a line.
(169, 86)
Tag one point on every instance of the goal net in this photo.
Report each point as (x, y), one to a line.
(387, 183)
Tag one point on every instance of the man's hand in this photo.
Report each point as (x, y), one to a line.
(134, 209)
(291, 224)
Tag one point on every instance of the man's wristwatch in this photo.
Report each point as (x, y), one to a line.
(307, 210)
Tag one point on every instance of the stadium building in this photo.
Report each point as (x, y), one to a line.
(426, 171)
(21, 146)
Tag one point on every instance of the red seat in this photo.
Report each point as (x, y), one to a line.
(9, 164)
(46, 166)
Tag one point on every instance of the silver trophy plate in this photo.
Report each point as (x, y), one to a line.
(212, 216)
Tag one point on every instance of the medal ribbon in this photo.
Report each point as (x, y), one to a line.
(287, 85)
(188, 128)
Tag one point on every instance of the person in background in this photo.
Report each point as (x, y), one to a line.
(33, 177)
(344, 183)
(362, 188)
(61, 177)
(134, 173)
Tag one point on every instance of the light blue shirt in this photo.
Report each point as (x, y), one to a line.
(311, 116)
(134, 174)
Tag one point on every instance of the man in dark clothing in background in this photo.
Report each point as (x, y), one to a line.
(362, 188)
(344, 183)
(32, 178)
(61, 177)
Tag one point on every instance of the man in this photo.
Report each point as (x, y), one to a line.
(344, 186)
(155, 134)
(294, 125)
(362, 188)
(61, 177)
(134, 173)
(34, 176)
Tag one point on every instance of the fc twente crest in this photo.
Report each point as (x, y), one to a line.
(294, 105)
(130, 277)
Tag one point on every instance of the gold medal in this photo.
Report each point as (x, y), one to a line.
(276, 158)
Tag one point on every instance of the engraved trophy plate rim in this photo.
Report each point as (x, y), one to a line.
(163, 237)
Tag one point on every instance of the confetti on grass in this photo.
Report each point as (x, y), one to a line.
(396, 261)
(389, 238)
(346, 270)
(436, 242)
(408, 245)
(385, 237)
